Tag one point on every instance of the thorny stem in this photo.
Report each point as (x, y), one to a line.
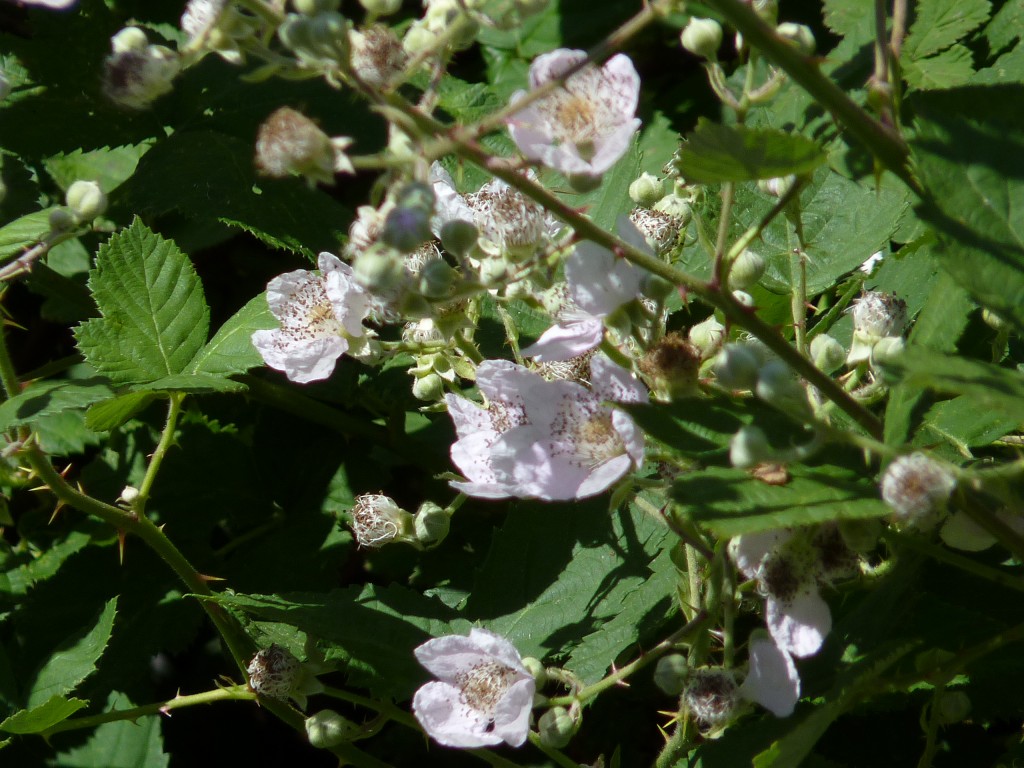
(232, 693)
(798, 300)
(666, 645)
(166, 439)
(723, 265)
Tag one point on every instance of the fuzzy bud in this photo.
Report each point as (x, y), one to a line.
(429, 387)
(702, 37)
(749, 447)
(646, 190)
(437, 279)
(677, 207)
(556, 727)
(86, 200)
(377, 520)
(707, 336)
(431, 524)
(670, 673)
(737, 366)
(289, 142)
(827, 353)
(327, 729)
(746, 270)
(459, 237)
(917, 489)
(129, 39)
(712, 696)
(380, 270)
(407, 225)
(377, 56)
(799, 35)
(135, 77)
(273, 672)
(876, 316)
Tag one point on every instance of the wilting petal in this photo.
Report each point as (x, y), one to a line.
(772, 681)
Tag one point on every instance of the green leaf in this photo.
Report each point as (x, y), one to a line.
(121, 744)
(109, 167)
(195, 383)
(989, 386)
(848, 17)
(1006, 27)
(952, 67)
(19, 580)
(48, 398)
(941, 23)
(729, 502)
(230, 350)
(969, 154)
(112, 413)
(154, 316)
(23, 233)
(74, 661)
(370, 631)
(38, 719)
(716, 153)
(209, 176)
(844, 222)
(543, 592)
(961, 423)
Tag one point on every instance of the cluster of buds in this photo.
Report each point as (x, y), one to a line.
(84, 201)
(879, 321)
(318, 35)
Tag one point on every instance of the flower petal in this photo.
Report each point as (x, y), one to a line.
(448, 720)
(566, 340)
(302, 360)
(773, 681)
(512, 715)
(799, 625)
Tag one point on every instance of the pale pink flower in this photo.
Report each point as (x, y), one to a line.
(772, 679)
(587, 124)
(320, 315)
(599, 283)
(483, 694)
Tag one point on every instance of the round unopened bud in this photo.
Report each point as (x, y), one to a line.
(295, 33)
(62, 220)
(886, 350)
(428, 387)
(777, 385)
(952, 707)
(677, 207)
(431, 524)
(799, 35)
(777, 186)
(407, 225)
(437, 279)
(381, 7)
(313, 7)
(86, 200)
(707, 336)
(376, 520)
(749, 447)
(327, 729)
(702, 37)
(273, 672)
(768, 10)
(744, 299)
(289, 142)
(556, 727)
(671, 672)
(583, 182)
(736, 366)
(537, 670)
(827, 353)
(655, 287)
(712, 696)
(917, 489)
(380, 270)
(459, 237)
(328, 34)
(378, 56)
(135, 78)
(418, 39)
(129, 39)
(646, 190)
(746, 270)
(129, 494)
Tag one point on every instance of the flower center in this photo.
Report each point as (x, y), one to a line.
(483, 686)
(309, 313)
(596, 438)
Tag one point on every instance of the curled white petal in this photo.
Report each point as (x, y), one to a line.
(567, 340)
(773, 680)
(800, 624)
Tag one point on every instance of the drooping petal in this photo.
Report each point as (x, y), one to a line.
(599, 281)
(750, 550)
(773, 680)
(567, 340)
(800, 624)
(512, 715)
(609, 381)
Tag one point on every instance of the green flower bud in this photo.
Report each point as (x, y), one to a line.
(407, 225)
(428, 388)
(778, 386)
(743, 298)
(749, 447)
(702, 37)
(583, 182)
(777, 186)
(952, 707)
(707, 336)
(737, 365)
(86, 200)
(746, 270)
(329, 36)
(768, 10)
(492, 271)
(827, 353)
(431, 524)
(327, 729)
(459, 237)
(295, 33)
(677, 207)
(129, 39)
(994, 321)
(799, 35)
(62, 220)
(556, 727)
(313, 7)
(418, 39)
(380, 270)
(655, 287)
(887, 350)
(381, 7)
(437, 279)
(646, 190)
(536, 668)
(670, 673)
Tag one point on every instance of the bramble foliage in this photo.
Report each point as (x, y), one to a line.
(688, 444)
